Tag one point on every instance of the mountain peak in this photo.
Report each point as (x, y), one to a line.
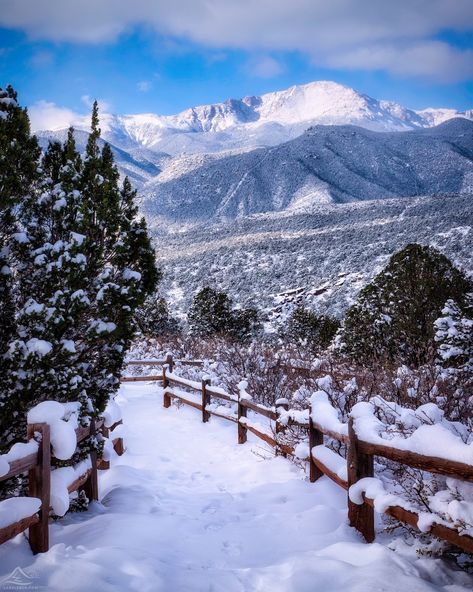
(265, 120)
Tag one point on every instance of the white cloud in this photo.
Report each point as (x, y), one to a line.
(264, 67)
(397, 36)
(430, 59)
(144, 86)
(45, 115)
(49, 116)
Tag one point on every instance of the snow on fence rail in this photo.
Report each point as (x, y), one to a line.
(18, 514)
(355, 473)
(169, 361)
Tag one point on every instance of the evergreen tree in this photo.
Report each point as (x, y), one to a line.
(210, 313)
(51, 270)
(454, 337)
(153, 319)
(83, 263)
(121, 261)
(311, 330)
(245, 324)
(394, 315)
(19, 174)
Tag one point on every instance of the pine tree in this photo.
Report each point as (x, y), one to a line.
(245, 324)
(121, 261)
(394, 316)
(210, 313)
(51, 275)
(83, 263)
(311, 330)
(154, 319)
(19, 173)
(454, 337)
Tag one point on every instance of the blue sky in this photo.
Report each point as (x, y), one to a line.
(164, 58)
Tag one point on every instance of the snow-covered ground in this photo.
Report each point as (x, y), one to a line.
(186, 508)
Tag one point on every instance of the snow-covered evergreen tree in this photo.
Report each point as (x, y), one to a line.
(154, 318)
(394, 315)
(51, 274)
(454, 336)
(82, 263)
(19, 174)
(121, 262)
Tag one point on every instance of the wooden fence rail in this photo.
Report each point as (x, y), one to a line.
(359, 461)
(169, 361)
(38, 467)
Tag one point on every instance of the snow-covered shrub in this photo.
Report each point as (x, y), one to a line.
(424, 430)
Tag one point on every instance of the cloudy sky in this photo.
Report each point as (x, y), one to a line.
(166, 55)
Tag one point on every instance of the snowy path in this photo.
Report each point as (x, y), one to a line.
(187, 509)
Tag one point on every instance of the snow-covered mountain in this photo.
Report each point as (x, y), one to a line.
(265, 120)
(250, 200)
(326, 164)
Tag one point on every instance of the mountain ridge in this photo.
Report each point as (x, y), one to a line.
(324, 165)
(264, 120)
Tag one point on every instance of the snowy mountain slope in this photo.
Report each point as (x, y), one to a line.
(328, 255)
(326, 164)
(138, 163)
(265, 120)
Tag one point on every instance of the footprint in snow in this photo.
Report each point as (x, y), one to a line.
(231, 549)
(283, 499)
(213, 526)
(210, 508)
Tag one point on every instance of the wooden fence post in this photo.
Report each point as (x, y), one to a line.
(91, 486)
(359, 465)
(170, 362)
(39, 484)
(102, 464)
(118, 444)
(166, 397)
(205, 400)
(284, 404)
(316, 438)
(242, 430)
(281, 428)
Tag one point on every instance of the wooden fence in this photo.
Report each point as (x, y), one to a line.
(168, 361)
(323, 461)
(38, 467)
